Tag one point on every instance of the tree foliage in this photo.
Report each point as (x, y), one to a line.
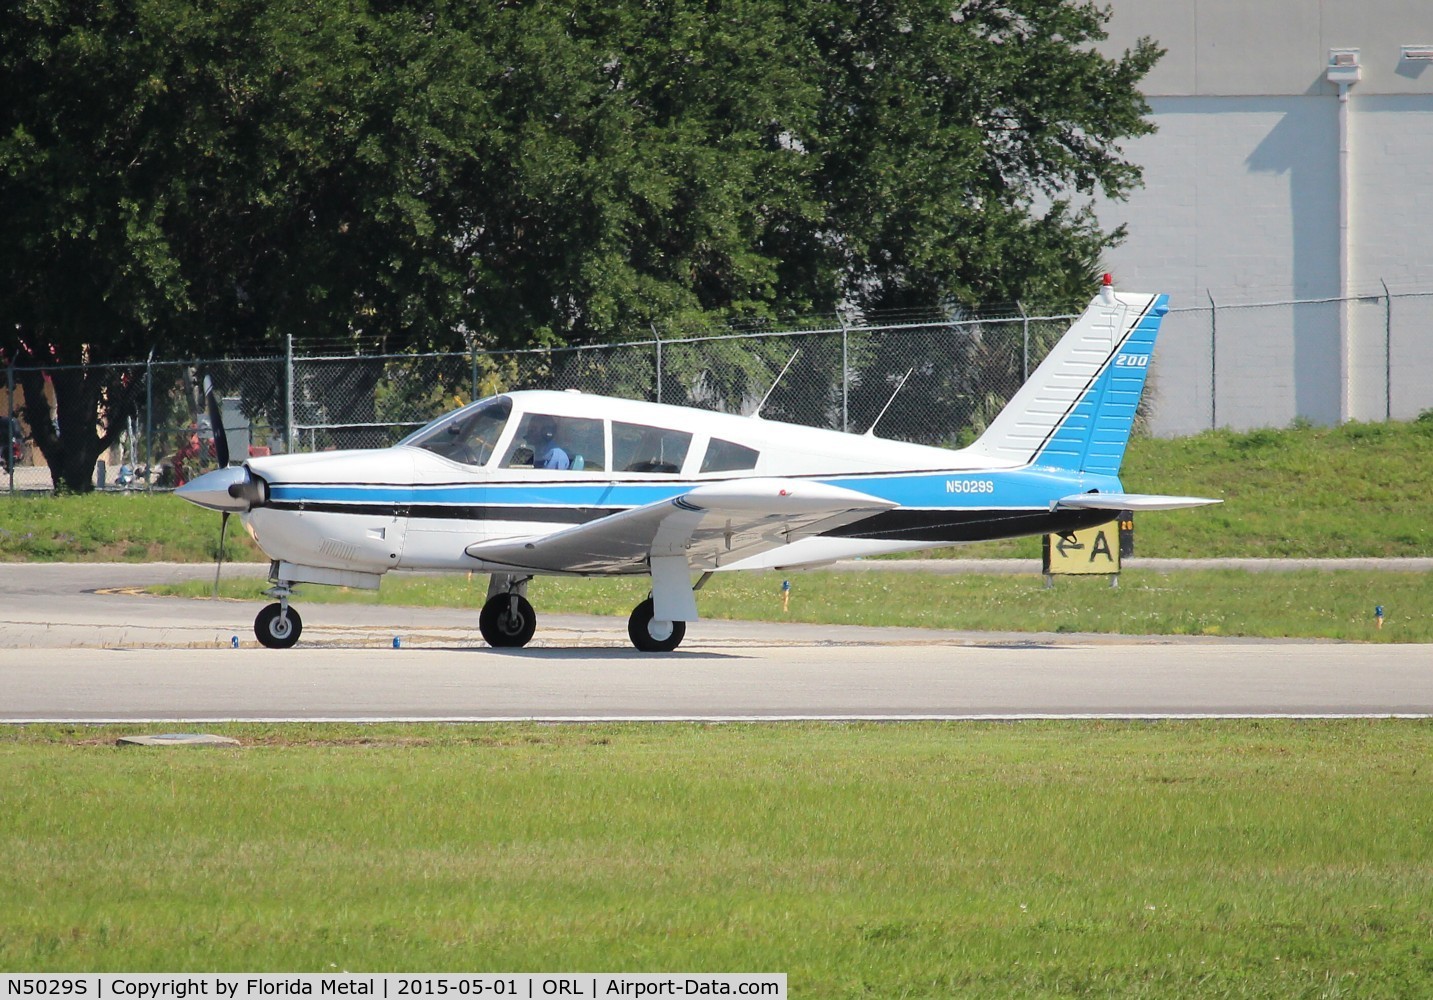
(202, 176)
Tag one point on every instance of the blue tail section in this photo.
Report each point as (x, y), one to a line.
(1095, 430)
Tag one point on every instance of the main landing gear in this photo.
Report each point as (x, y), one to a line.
(508, 620)
(651, 635)
(278, 626)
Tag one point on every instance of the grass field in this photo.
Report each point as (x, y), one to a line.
(920, 860)
(1304, 604)
(1248, 859)
(1355, 490)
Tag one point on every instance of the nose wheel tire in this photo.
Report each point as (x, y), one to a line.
(650, 635)
(507, 621)
(277, 628)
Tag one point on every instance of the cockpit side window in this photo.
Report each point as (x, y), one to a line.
(728, 456)
(469, 435)
(547, 441)
(639, 448)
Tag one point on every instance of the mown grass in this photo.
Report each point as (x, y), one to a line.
(114, 527)
(1248, 859)
(1355, 490)
(1358, 489)
(1305, 604)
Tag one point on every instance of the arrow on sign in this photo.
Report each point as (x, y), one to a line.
(1067, 543)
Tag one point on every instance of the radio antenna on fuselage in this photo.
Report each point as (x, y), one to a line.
(871, 431)
(775, 382)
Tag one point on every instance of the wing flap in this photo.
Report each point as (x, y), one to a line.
(1131, 501)
(711, 525)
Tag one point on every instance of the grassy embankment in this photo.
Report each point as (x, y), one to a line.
(1311, 492)
(1356, 490)
(1195, 859)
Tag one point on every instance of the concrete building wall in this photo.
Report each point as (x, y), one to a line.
(1243, 48)
(1242, 203)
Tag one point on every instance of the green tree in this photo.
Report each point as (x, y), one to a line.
(942, 128)
(191, 177)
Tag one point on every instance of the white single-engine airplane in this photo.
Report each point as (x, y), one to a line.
(565, 483)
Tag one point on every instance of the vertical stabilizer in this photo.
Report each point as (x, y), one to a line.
(1076, 411)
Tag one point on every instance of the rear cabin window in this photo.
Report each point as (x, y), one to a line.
(639, 448)
(728, 456)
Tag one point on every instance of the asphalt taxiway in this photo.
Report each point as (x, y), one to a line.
(81, 644)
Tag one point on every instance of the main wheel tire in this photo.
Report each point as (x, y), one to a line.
(276, 629)
(651, 636)
(504, 628)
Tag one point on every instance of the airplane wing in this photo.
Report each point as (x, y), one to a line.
(1131, 501)
(711, 525)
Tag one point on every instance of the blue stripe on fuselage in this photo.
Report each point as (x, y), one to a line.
(1029, 488)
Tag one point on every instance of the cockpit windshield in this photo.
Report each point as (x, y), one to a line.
(468, 435)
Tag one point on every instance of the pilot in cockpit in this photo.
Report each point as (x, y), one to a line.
(546, 452)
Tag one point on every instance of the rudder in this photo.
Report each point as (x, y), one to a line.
(1076, 411)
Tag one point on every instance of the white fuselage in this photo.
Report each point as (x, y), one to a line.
(410, 507)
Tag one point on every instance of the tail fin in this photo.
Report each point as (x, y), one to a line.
(1076, 411)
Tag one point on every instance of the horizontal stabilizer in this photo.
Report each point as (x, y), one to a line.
(1130, 501)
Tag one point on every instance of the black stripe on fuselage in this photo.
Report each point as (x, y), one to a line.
(966, 525)
(452, 512)
(905, 524)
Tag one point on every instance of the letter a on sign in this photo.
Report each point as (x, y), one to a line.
(1100, 549)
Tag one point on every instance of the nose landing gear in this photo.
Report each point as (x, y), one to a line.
(278, 626)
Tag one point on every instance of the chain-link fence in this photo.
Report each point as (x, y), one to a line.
(1327, 361)
(165, 437)
(960, 372)
(935, 381)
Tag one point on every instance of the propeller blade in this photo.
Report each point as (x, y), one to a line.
(216, 421)
(219, 563)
